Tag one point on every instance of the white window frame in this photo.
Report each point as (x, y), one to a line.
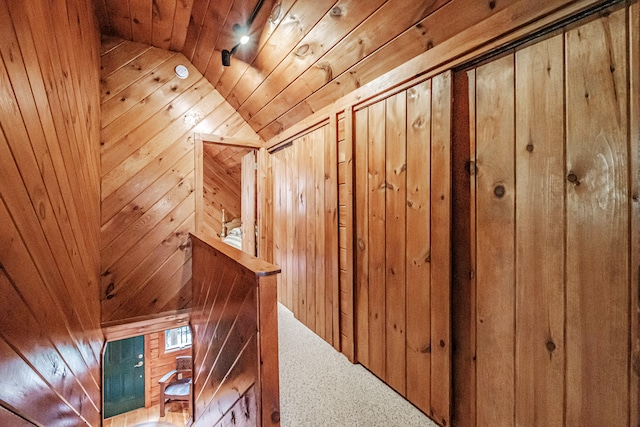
(182, 336)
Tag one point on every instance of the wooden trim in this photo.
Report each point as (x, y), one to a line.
(305, 127)
(208, 138)
(268, 355)
(115, 332)
(258, 266)
(331, 226)
(350, 352)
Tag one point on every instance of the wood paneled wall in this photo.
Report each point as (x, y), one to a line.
(555, 293)
(305, 230)
(149, 117)
(158, 363)
(235, 346)
(50, 337)
(402, 210)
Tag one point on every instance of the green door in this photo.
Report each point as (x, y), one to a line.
(123, 376)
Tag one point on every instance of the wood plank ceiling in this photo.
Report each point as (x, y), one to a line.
(303, 55)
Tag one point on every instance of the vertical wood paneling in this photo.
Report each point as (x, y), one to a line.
(49, 211)
(361, 276)
(265, 206)
(305, 231)
(495, 241)
(441, 248)
(319, 222)
(249, 203)
(597, 233)
(301, 227)
(540, 300)
(634, 179)
(395, 237)
(418, 241)
(332, 242)
(308, 161)
(403, 195)
(376, 219)
(347, 293)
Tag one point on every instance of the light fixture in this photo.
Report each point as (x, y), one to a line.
(241, 32)
(182, 71)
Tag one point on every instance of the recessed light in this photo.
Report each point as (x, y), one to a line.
(182, 71)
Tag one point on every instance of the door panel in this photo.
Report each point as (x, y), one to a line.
(403, 217)
(123, 376)
(553, 216)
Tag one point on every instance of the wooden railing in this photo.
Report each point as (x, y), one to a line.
(235, 337)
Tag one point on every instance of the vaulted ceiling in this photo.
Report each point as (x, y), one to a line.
(303, 55)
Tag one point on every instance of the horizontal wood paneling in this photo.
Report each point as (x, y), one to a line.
(50, 337)
(149, 117)
(235, 335)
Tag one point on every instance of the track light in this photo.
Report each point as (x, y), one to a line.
(241, 32)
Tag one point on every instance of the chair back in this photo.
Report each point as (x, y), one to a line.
(183, 364)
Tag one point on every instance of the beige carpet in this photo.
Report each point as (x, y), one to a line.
(320, 387)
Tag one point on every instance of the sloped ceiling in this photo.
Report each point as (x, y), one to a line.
(304, 54)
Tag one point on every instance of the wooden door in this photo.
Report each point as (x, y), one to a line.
(123, 376)
(248, 210)
(402, 213)
(305, 229)
(553, 206)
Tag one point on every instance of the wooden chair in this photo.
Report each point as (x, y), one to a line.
(177, 384)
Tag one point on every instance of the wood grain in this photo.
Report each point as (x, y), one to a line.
(418, 247)
(49, 210)
(235, 333)
(540, 299)
(148, 177)
(361, 201)
(376, 213)
(495, 218)
(440, 299)
(395, 237)
(597, 222)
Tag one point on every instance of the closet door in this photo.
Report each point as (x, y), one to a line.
(553, 208)
(402, 197)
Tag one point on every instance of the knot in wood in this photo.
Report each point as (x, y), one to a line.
(551, 345)
(573, 178)
(499, 191)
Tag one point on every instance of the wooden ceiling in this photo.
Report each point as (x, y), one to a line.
(304, 54)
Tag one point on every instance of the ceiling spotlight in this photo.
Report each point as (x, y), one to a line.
(241, 31)
(182, 71)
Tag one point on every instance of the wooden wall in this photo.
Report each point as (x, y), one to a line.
(235, 344)
(149, 117)
(555, 293)
(50, 337)
(158, 363)
(305, 230)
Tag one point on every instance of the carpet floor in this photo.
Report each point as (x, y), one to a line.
(320, 387)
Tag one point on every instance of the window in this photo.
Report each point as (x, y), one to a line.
(177, 338)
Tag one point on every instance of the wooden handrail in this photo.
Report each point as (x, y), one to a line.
(235, 336)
